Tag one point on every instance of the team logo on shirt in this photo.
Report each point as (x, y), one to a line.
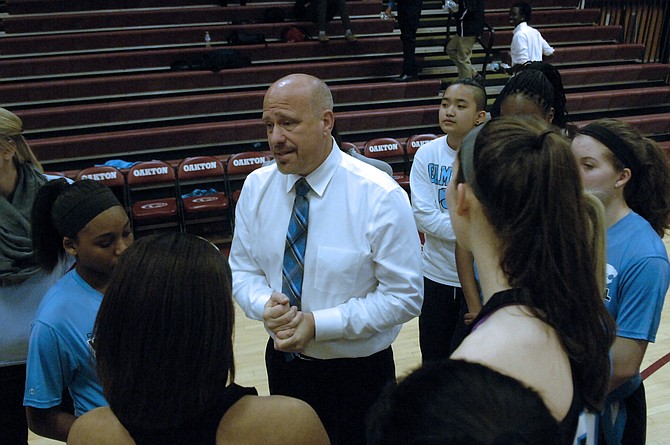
(440, 175)
(610, 274)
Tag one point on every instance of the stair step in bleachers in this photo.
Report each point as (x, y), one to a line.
(162, 17)
(91, 80)
(152, 84)
(56, 43)
(625, 99)
(222, 105)
(208, 138)
(651, 125)
(612, 75)
(547, 17)
(127, 62)
(55, 6)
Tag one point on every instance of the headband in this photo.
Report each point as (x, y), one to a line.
(616, 145)
(84, 201)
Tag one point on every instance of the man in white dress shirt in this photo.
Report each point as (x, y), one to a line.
(362, 262)
(528, 45)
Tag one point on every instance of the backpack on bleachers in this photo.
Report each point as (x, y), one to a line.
(295, 34)
(215, 60)
(246, 38)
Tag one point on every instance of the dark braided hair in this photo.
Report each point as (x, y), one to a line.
(541, 83)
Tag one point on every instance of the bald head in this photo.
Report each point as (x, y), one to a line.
(320, 98)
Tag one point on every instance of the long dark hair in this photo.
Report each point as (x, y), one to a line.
(456, 402)
(529, 185)
(163, 335)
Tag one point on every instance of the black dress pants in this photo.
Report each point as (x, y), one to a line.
(441, 325)
(341, 391)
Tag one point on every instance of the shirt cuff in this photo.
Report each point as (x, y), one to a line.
(328, 324)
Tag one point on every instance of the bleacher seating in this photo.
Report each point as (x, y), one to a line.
(92, 80)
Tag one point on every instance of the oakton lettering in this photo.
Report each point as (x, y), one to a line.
(384, 147)
(417, 144)
(150, 171)
(248, 161)
(100, 176)
(198, 167)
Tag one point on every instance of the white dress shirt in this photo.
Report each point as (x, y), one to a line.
(528, 45)
(362, 277)
(430, 175)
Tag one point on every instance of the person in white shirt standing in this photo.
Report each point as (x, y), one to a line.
(360, 278)
(528, 45)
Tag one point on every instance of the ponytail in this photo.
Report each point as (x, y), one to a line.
(649, 194)
(47, 243)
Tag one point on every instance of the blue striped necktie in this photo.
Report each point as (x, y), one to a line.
(296, 240)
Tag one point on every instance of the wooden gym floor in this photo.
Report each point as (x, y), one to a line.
(250, 340)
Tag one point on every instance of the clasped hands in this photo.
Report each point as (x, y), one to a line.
(291, 328)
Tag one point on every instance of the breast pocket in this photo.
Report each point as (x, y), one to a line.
(338, 270)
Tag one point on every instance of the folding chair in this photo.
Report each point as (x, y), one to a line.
(204, 198)
(392, 151)
(152, 197)
(413, 143)
(239, 166)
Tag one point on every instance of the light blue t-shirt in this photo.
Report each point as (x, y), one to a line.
(59, 354)
(638, 275)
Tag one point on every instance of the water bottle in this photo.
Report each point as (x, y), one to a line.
(450, 5)
(208, 39)
(493, 66)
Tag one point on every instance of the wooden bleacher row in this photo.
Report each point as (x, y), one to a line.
(84, 107)
(222, 104)
(161, 58)
(162, 17)
(55, 6)
(140, 141)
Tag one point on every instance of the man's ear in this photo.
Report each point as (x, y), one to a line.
(70, 246)
(624, 177)
(328, 118)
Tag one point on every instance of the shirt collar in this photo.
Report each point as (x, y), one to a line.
(519, 26)
(321, 176)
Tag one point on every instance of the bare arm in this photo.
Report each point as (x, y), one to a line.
(466, 275)
(269, 421)
(53, 423)
(627, 355)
